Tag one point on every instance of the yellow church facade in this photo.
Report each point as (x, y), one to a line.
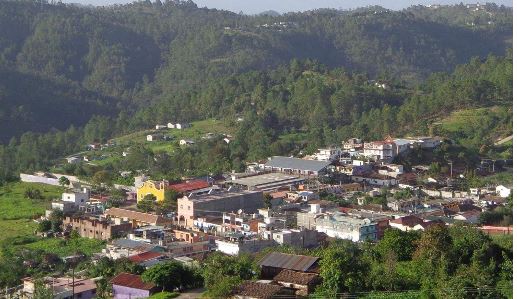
(152, 187)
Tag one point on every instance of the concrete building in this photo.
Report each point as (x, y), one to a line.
(425, 142)
(328, 154)
(353, 144)
(303, 238)
(96, 229)
(342, 226)
(379, 150)
(78, 197)
(190, 208)
(405, 205)
(235, 246)
(136, 218)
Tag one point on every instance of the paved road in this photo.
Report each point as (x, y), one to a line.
(191, 294)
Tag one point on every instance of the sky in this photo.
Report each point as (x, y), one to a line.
(283, 6)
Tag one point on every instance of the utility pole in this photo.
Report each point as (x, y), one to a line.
(450, 163)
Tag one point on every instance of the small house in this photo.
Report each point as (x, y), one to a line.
(127, 285)
(181, 126)
(160, 127)
(73, 160)
(154, 137)
(186, 142)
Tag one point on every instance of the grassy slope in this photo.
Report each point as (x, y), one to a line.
(463, 125)
(67, 247)
(16, 221)
(17, 211)
(196, 132)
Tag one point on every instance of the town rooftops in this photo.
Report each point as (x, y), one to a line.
(408, 220)
(296, 277)
(189, 186)
(135, 215)
(132, 281)
(297, 164)
(220, 195)
(257, 290)
(144, 256)
(289, 261)
(267, 181)
(136, 245)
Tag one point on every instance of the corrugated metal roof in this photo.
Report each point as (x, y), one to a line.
(288, 261)
(296, 163)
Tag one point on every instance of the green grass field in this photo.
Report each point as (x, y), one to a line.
(17, 211)
(14, 205)
(63, 247)
(196, 132)
(470, 127)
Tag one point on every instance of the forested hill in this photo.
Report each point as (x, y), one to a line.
(131, 56)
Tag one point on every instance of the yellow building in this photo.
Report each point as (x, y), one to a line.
(156, 188)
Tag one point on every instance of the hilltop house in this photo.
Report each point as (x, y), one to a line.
(154, 137)
(186, 142)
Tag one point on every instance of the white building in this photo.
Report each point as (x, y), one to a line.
(424, 141)
(171, 126)
(160, 127)
(379, 150)
(327, 154)
(352, 144)
(73, 160)
(181, 126)
(503, 191)
(77, 197)
(347, 227)
(186, 142)
(153, 137)
(391, 170)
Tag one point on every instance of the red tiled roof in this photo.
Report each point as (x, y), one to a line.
(144, 256)
(408, 221)
(189, 186)
(131, 281)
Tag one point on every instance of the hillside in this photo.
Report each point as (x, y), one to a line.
(31, 102)
(140, 53)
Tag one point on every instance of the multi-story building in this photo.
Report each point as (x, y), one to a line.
(190, 208)
(379, 150)
(136, 218)
(78, 197)
(328, 154)
(96, 229)
(353, 144)
(235, 222)
(342, 226)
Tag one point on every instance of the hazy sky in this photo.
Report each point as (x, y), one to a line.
(257, 6)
